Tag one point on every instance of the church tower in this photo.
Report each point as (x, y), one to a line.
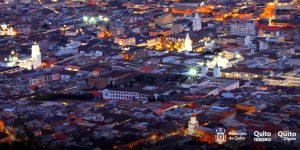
(36, 56)
(188, 44)
(204, 70)
(192, 124)
(197, 25)
(217, 71)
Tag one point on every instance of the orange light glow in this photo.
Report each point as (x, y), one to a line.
(269, 11)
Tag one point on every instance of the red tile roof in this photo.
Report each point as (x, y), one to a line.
(60, 136)
(273, 28)
(95, 93)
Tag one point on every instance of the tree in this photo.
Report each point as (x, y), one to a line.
(45, 26)
(208, 53)
(217, 51)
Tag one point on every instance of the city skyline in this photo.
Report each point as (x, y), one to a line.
(149, 74)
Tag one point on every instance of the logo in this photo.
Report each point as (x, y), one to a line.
(287, 135)
(237, 135)
(263, 136)
(220, 135)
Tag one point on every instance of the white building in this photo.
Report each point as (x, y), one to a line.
(123, 95)
(33, 62)
(36, 56)
(7, 30)
(70, 48)
(188, 44)
(217, 71)
(192, 124)
(204, 69)
(197, 23)
(243, 29)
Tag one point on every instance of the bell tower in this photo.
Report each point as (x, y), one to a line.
(197, 25)
(192, 124)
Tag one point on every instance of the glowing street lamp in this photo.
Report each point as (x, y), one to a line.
(193, 72)
(85, 18)
(105, 19)
(92, 20)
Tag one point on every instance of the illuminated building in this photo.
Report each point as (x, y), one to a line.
(124, 41)
(6, 30)
(206, 9)
(2, 126)
(150, 42)
(163, 32)
(197, 23)
(32, 62)
(269, 11)
(204, 70)
(243, 16)
(188, 44)
(134, 53)
(218, 60)
(123, 95)
(247, 107)
(182, 11)
(243, 29)
(104, 34)
(70, 48)
(202, 134)
(36, 56)
(116, 30)
(244, 73)
(209, 44)
(192, 124)
(164, 20)
(283, 81)
(217, 71)
(274, 31)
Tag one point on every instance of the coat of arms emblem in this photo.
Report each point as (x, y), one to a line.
(220, 135)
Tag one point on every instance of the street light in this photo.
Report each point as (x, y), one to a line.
(85, 18)
(106, 19)
(92, 20)
(193, 72)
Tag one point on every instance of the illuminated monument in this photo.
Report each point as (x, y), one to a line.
(187, 44)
